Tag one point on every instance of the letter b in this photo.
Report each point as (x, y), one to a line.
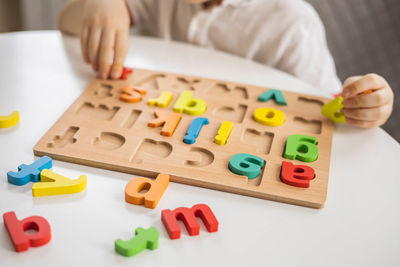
(189, 105)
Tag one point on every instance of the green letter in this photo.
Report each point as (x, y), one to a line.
(301, 147)
(143, 239)
(275, 94)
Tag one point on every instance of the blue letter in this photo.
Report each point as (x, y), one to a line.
(28, 173)
(194, 130)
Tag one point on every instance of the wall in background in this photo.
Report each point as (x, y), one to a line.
(40, 14)
(25, 15)
(10, 18)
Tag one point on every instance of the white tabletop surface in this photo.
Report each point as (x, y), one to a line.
(41, 74)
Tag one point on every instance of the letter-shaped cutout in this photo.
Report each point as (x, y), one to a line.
(246, 164)
(188, 217)
(333, 110)
(144, 238)
(194, 130)
(170, 122)
(27, 173)
(16, 229)
(297, 175)
(9, 120)
(132, 94)
(275, 94)
(301, 147)
(52, 183)
(187, 104)
(269, 116)
(162, 101)
(223, 133)
(150, 199)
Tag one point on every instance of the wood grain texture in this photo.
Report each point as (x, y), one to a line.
(102, 131)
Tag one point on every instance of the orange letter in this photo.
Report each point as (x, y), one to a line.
(151, 198)
(170, 122)
(132, 94)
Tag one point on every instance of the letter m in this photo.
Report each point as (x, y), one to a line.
(188, 217)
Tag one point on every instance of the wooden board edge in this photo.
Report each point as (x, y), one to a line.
(217, 187)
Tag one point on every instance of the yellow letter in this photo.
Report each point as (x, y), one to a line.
(223, 133)
(52, 183)
(332, 110)
(10, 120)
(187, 104)
(162, 101)
(269, 116)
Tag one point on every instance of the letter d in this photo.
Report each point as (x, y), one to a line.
(155, 191)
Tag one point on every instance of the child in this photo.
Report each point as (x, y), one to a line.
(284, 34)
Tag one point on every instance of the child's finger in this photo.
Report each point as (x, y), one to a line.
(368, 114)
(351, 80)
(105, 53)
(120, 51)
(365, 124)
(93, 46)
(84, 43)
(374, 99)
(368, 82)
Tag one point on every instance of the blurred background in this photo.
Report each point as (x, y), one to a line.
(363, 35)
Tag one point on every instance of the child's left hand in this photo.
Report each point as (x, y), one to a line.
(368, 100)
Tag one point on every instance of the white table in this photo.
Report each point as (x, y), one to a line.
(359, 226)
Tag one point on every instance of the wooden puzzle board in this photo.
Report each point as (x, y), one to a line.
(100, 130)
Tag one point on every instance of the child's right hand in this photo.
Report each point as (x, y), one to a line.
(104, 36)
(368, 100)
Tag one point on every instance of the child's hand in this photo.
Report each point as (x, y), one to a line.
(368, 100)
(104, 36)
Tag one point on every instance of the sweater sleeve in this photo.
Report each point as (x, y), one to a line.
(307, 55)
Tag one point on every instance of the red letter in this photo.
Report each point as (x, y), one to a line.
(16, 229)
(296, 175)
(188, 217)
